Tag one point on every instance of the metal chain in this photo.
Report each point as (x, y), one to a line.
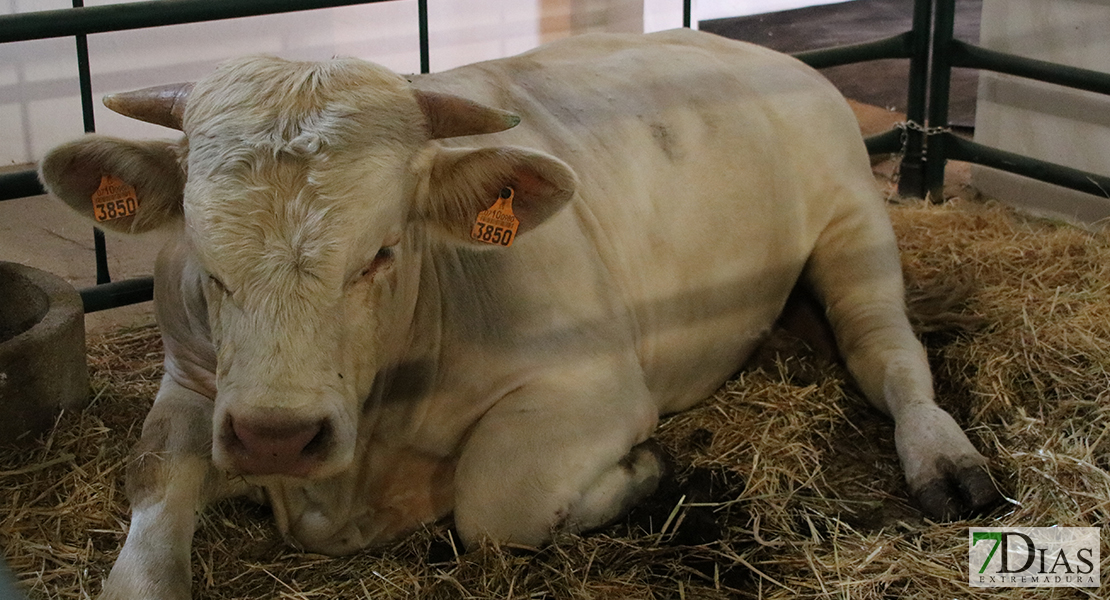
(914, 125)
(906, 127)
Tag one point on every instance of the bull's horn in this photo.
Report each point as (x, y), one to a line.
(162, 105)
(452, 116)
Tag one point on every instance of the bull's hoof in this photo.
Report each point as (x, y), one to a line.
(682, 501)
(648, 464)
(651, 449)
(960, 493)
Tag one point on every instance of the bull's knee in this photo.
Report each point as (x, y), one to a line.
(529, 509)
(619, 488)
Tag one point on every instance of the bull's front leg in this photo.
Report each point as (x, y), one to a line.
(170, 478)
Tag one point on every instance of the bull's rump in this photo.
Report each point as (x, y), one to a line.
(708, 168)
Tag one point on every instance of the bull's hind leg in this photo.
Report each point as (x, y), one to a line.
(856, 272)
(566, 453)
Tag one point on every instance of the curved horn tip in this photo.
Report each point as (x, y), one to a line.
(448, 116)
(162, 105)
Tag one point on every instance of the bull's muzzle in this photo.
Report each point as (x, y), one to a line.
(276, 444)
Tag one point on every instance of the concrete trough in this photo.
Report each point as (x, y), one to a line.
(42, 351)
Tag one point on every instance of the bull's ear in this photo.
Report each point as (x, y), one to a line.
(460, 183)
(109, 169)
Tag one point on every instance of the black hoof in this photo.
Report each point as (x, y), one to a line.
(960, 493)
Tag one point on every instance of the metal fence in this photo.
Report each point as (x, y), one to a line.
(948, 52)
(923, 140)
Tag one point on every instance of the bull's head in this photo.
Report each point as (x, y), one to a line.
(306, 195)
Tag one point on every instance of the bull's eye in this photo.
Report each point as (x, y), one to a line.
(382, 261)
(218, 284)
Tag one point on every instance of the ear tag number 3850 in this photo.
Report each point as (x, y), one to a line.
(114, 198)
(497, 224)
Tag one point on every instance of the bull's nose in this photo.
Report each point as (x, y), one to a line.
(276, 445)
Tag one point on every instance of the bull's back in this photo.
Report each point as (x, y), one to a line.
(708, 168)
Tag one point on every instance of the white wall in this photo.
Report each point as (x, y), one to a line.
(39, 101)
(1041, 120)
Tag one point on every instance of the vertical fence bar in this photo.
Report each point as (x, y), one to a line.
(425, 54)
(84, 76)
(687, 13)
(940, 84)
(911, 181)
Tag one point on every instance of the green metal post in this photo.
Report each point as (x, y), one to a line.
(425, 53)
(20, 184)
(687, 13)
(84, 77)
(911, 182)
(940, 84)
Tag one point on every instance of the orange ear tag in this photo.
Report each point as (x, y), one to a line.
(114, 199)
(497, 224)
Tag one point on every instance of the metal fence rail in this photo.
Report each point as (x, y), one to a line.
(152, 13)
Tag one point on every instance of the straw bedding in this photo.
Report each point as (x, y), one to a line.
(786, 484)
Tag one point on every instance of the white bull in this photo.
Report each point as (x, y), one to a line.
(336, 337)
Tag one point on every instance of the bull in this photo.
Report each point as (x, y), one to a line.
(389, 299)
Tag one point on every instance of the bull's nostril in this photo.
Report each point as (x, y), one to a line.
(318, 444)
(276, 445)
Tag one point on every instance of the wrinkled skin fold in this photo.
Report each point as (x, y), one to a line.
(337, 342)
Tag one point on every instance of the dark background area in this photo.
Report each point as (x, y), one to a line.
(882, 82)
